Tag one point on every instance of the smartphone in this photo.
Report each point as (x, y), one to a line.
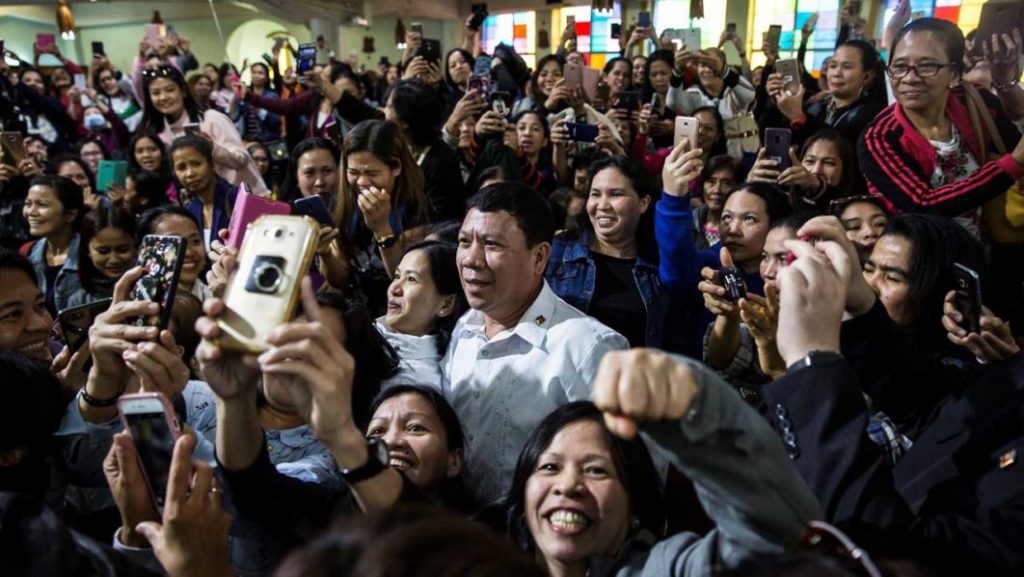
(13, 147)
(162, 257)
(604, 91)
(996, 19)
(150, 420)
(192, 129)
(790, 71)
(45, 41)
(691, 38)
(75, 322)
(111, 172)
(306, 58)
(581, 132)
(591, 77)
(155, 34)
(322, 57)
(314, 207)
(776, 145)
(626, 101)
(686, 128)
(643, 19)
(430, 50)
(275, 255)
(730, 30)
(479, 15)
(573, 76)
(733, 283)
(616, 30)
(500, 102)
(774, 36)
(854, 7)
(416, 28)
(480, 82)
(570, 22)
(249, 207)
(968, 297)
(97, 48)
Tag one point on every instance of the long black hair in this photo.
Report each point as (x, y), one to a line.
(152, 119)
(290, 191)
(643, 184)
(632, 462)
(165, 161)
(97, 219)
(448, 76)
(662, 55)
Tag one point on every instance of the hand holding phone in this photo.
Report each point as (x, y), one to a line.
(581, 132)
(75, 322)
(687, 128)
(968, 297)
(162, 257)
(248, 207)
(776, 146)
(314, 207)
(150, 421)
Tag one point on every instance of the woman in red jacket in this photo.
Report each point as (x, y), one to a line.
(922, 153)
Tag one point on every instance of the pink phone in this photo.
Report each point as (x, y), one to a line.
(249, 207)
(45, 40)
(591, 76)
(150, 420)
(573, 76)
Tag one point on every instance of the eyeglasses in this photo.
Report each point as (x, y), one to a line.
(922, 70)
(834, 542)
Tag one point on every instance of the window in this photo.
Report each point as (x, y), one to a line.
(676, 14)
(965, 13)
(593, 32)
(518, 29)
(792, 15)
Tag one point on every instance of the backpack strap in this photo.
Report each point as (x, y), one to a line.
(980, 116)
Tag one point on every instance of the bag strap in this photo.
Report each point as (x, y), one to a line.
(980, 111)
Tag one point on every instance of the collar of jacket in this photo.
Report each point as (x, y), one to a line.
(918, 146)
(578, 249)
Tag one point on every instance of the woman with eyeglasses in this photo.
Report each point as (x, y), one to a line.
(924, 153)
(169, 110)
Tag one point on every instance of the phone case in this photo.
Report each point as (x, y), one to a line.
(275, 255)
(430, 50)
(162, 257)
(626, 101)
(13, 144)
(776, 145)
(306, 58)
(968, 297)
(644, 19)
(591, 76)
(996, 18)
(315, 208)
(249, 207)
(75, 322)
(155, 34)
(45, 40)
(153, 445)
(573, 76)
(581, 132)
(691, 38)
(790, 71)
(686, 127)
(111, 172)
(774, 35)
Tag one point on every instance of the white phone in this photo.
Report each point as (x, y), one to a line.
(150, 420)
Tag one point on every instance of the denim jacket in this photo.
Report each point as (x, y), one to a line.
(573, 276)
(67, 282)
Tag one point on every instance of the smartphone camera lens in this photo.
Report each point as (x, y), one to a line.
(278, 233)
(267, 275)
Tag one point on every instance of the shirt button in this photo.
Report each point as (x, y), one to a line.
(780, 411)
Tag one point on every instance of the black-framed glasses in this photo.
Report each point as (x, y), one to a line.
(832, 541)
(921, 69)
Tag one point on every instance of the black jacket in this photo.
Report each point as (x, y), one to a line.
(955, 501)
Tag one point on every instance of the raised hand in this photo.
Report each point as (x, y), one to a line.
(764, 169)
(716, 298)
(375, 204)
(641, 385)
(128, 487)
(681, 167)
(842, 253)
(231, 376)
(811, 300)
(995, 342)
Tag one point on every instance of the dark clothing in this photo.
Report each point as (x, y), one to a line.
(617, 301)
(850, 121)
(13, 226)
(223, 203)
(442, 177)
(955, 500)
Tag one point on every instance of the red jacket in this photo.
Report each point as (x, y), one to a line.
(898, 162)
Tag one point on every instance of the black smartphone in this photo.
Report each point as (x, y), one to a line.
(643, 19)
(162, 257)
(776, 146)
(306, 59)
(733, 283)
(774, 36)
(500, 102)
(150, 420)
(616, 30)
(430, 50)
(75, 322)
(480, 82)
(313, 206)
(97, 48)
(582, 132)
(479, 15)
(996, 18)
(968, 297)
(626, 101)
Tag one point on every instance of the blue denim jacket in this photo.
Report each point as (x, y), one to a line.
(572, 275)
(66, 283)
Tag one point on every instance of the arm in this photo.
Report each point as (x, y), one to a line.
(892, 172)
(298, 105)
(722, 341)
(355, 111)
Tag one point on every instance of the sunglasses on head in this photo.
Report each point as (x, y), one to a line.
(837, 206)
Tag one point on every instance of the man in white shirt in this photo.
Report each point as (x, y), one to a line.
(521, 351)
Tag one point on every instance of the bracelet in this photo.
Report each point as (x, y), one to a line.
(100, 403)
(387, 241)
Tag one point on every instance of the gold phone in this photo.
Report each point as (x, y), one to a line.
(275, 255)
(687, 128)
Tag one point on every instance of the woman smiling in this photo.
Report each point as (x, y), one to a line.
(53, 209)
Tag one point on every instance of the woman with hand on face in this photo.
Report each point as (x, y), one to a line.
(606, 263)
(823, 171)
(205, 194)
(657, 82)
(923, 153)
(425, 299)
(169, 107)
(585, 497)
(548, 92)
(381, 209)
(54, 209)
(107, 239)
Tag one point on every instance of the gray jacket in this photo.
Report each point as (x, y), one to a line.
(745, 481)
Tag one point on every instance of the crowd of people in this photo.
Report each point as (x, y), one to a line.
(520, 350)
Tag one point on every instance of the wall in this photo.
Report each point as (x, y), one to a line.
(449, 32)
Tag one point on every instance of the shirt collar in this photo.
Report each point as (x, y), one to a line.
(532, 326)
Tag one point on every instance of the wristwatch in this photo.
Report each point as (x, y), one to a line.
(386, 241)
(377, 457)
(814, 358)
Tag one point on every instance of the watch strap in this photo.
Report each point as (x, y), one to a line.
(371, 468)
(814, 358)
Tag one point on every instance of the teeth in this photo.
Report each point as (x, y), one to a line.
(568, 519)
(33, 347)
(399, 463)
